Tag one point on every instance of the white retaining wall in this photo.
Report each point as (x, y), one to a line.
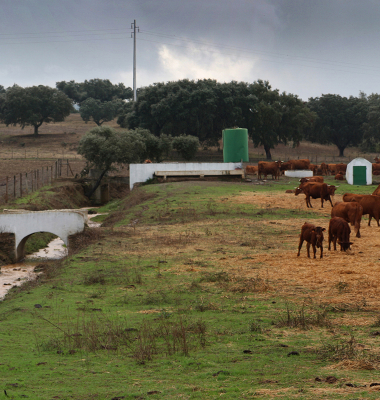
(139, 173)
(304, 173)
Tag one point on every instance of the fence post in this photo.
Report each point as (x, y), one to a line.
(14, 186)
(20, 184)
(38, 176)
(51, 175)
(6, 190)
(42, 176)
(26, 181)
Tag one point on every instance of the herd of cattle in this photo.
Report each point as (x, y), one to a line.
(350, 211)
(343, 214)
(277, 168)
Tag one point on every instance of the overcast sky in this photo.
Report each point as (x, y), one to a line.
(304, 47)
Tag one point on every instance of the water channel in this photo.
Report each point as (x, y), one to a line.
(16, 274)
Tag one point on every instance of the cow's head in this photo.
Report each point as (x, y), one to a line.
(303, 180)
(297, 191)
(319, 235)
(331, 189)
(345, 245)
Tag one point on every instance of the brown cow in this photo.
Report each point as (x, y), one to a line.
(316, 190)
(331, 169)
(376, 192)
(350, 212)
(375, 168)
(377, 159)
(299, 164)
(324, 168)
(251, 170)
(339, 176)
(269, 168)
(312, 179)
(339, 230)
(369, 202)
(313, 236)
(341, 167)
(285, 166)
(314, 168)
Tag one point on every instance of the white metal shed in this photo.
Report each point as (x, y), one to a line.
(359, 172)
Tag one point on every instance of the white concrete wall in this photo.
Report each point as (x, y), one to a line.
(303, 173)
(359, 162)
(139, 173)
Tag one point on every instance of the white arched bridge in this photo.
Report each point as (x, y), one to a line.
(23, 224)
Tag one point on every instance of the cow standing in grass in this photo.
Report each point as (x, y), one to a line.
(350, 212)
(339, 230)
(313, 235)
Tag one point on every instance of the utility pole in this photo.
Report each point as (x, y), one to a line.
(133, 35)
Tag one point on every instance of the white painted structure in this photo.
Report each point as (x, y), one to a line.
(359, 162)
(22, 223)
(139, 173)
(303, 173)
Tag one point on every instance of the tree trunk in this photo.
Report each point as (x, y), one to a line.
(92, 191)
(341, 150)
(267, 152)
(36, 130)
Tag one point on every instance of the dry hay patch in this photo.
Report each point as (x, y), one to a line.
(283, 200)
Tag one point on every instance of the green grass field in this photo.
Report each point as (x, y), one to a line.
(177, 297)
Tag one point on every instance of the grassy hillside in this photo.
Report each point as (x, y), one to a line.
(194, 290)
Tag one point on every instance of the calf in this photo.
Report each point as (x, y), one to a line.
(313, 236)
(339, 230)
(339, 176)
(251, 170)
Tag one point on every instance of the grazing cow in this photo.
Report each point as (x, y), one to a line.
(313, 236)
(339, 230)
(269, 168)
(147, 162)
(324, 168)
(312, 179)
(299, 164)
(316, 190)
(350, 212)
(251, 170)
(369, 202)
(339, 176)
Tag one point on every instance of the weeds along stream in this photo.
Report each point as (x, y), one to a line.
(19, 273)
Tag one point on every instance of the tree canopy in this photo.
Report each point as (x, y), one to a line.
(99, 112)
(98, 89)
(204, 108)
(340, 120)
(105, 149)
(33, 106)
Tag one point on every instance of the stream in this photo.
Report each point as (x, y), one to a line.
(16, 274)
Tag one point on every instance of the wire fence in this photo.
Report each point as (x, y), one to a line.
(19, 185)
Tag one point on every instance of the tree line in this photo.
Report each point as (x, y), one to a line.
(188, 112)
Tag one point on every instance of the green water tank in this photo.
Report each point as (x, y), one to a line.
(235, 145)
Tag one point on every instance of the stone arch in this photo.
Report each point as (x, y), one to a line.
(20, 248)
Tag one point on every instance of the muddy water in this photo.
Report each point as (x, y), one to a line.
(17, 274)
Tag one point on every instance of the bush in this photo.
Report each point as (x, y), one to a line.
(186, 146)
